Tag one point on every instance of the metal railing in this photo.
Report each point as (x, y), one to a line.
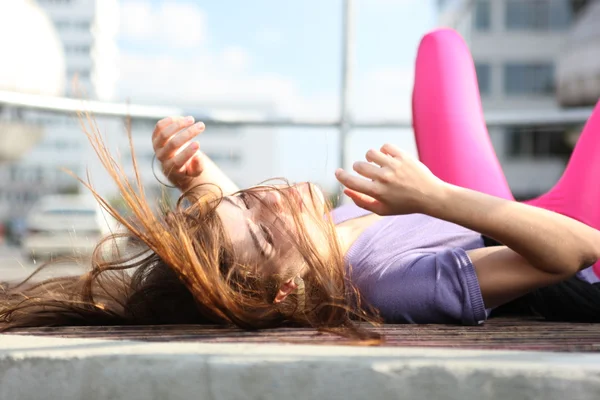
(344, 122)
(124, 110)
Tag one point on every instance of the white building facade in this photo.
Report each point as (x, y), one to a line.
(578, 72)
(516, 46)
(86, 34)
(88, 31)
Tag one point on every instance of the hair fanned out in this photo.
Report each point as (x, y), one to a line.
(178, 266)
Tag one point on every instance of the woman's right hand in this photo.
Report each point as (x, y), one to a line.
(179, 156)
(392, 182)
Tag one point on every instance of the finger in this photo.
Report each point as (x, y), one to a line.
(392, 150)
(367, 170)
(167, 132)
(178, 140)
(194, 166)
(377, 157)
(364, 201)
(160, 125)
(354, 182)
(175, 163)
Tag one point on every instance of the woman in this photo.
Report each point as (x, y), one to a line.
(412, 251)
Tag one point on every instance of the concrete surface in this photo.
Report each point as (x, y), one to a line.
(14, 267)
(54, 368)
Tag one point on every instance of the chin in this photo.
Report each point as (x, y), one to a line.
(313, 195)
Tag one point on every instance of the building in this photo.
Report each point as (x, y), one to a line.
(516, 46)
(578, 72)
(24, 73)
(84, 32)
(248, 155)
(88, 31)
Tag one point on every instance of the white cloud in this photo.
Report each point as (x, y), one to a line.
(207, 77)
(204, 77)
(222, 79)
(180, 25)
(384, 93)
(202, 80)
(236, 58)
(136, 20)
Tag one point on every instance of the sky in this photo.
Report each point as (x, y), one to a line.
(279, 56)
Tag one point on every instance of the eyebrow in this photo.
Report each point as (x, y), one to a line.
(233, 203)
(253, 236)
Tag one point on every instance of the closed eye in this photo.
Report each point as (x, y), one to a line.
(244, 197)
(268, 235)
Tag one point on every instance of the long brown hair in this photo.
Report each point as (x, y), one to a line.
(178, 266)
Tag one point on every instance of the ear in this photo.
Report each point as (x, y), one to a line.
(285, 289)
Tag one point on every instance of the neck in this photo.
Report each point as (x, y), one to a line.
(348, 231)
(345, 237)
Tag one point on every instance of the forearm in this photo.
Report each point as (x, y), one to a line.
(211, 179)
(549, 241)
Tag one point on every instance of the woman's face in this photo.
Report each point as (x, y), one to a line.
(262, 230)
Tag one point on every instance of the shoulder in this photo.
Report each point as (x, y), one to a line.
(425, 287)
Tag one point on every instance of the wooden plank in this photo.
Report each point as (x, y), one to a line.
(498, 333)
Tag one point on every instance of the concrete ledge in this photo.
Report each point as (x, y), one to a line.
(52, 368)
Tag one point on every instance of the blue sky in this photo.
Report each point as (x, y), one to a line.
(283, 56)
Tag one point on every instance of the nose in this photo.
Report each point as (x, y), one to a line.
(273, 198)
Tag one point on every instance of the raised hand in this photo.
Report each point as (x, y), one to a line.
(396, 183)
(179, 156)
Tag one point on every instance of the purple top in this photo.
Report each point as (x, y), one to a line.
(414, 268)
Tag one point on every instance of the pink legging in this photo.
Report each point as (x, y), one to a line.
(452, 138)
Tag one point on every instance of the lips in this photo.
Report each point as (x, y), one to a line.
(297, 195)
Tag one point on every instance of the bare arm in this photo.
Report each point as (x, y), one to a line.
(542, 247)
(211, 174)
(183, 163)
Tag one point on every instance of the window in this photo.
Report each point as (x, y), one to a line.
(61, 144)
(540, 15)
(81, 74)
(64, 2)
(483, 17)
(82, 26)
(537, 142)
(77, 49)
(62, 25)
(67, 25)
(529, 79)
(484, 78)
(14, 173)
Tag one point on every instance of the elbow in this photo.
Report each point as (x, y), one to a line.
(570, 267)
(588, 258)
(594, 254)
(594, 258)
(596, 251)
(588, 254)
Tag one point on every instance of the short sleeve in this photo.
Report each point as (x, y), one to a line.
(427, 288)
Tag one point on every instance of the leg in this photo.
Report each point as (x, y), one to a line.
(577, 193)
(450, 131)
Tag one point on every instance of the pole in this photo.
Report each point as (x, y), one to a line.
(346, 77)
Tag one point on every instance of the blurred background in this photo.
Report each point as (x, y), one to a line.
(287, 89)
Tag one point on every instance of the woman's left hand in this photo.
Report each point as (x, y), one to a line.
(396, 183)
